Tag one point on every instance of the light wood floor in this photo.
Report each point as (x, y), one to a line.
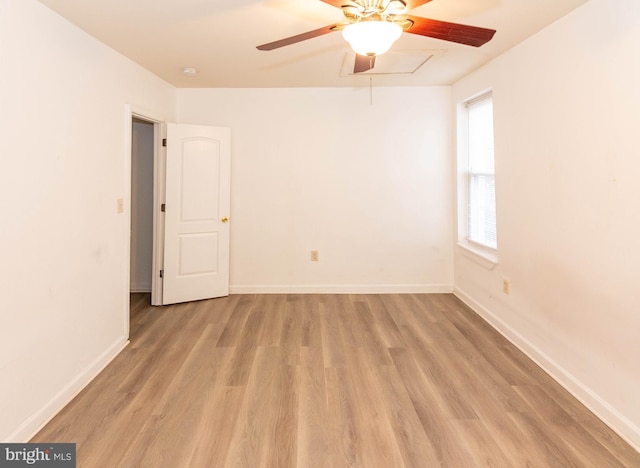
(327, 381)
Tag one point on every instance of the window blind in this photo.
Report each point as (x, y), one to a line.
(481, 172)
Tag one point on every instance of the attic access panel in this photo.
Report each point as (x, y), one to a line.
(391, 63)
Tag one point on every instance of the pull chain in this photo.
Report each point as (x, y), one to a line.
(370, 80)
(370, 90)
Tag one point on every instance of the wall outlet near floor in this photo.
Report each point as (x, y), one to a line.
(506, 286)
(120, 205)
(314, 255)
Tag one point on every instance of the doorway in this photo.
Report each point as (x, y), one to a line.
(142, 177)
(145, 163)
(203, 163)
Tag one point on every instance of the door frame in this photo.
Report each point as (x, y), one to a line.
(159, 165)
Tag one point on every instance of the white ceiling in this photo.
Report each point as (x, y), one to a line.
(219, 38)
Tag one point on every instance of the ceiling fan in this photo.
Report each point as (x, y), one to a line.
(373, 25)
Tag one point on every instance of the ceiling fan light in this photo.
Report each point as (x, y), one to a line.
(371, 37)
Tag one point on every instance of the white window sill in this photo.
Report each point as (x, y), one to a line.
(487, 259)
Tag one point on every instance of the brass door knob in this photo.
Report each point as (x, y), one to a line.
(225, 219)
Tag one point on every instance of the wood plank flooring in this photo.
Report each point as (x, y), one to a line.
(282, 381)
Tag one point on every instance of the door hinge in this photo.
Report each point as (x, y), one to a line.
(163, 207)
(164, 142)
(161, 273)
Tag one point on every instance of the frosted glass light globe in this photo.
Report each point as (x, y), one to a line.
(371, 37)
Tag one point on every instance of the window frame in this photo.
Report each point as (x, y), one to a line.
(483, 254)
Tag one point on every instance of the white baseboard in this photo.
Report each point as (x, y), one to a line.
(617, 421)
(40, 418)
(140, 288)
(342, 289)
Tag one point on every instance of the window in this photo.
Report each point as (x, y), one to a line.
(476, 168)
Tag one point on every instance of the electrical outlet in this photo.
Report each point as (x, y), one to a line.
(314, 255)
(506, 286)
(120, 205)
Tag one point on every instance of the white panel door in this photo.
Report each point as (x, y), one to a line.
(196, 244)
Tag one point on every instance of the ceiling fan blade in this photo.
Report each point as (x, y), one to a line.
(411, 4)
(299, 37)
(452, 32)
(363, 63)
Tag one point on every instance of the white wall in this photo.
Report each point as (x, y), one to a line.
(62, 243)
(368, 186)
(142, 175)
(567, 163)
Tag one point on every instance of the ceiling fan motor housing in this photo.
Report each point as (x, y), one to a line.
(375, 10)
